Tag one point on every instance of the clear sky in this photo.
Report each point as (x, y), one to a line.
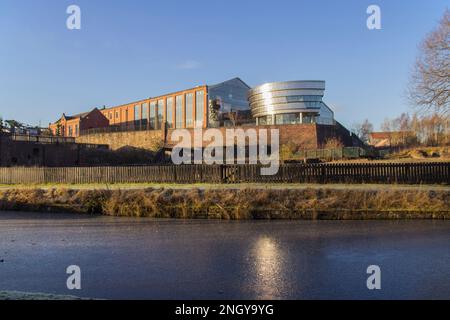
(130, 50)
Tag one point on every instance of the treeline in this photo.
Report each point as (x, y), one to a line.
(416, 130)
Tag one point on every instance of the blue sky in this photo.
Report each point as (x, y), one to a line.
(129, 50)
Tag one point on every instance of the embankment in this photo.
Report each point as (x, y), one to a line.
(234, 203)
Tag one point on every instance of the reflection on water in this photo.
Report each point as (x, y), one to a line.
(268, 268)
(173, 259)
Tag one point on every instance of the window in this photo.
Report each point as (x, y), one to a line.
(265, 121)
(169, 112)
(199, 108)
(160, 113)
(70, 131)
(262, 121)
(144, 114)
(303, 98)
(117, 114)
(189, 110)
(110, 116)
(152, 114)
(76, 130)
(179, 112)
(137, 114)
(308, 118)
(287, 118)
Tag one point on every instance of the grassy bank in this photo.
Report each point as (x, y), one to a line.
(235, 203)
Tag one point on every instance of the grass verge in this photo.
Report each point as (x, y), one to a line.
(309, 203)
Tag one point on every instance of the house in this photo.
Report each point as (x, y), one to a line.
(70, 126)
(388, 139)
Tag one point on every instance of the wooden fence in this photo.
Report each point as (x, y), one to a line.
(411, 173)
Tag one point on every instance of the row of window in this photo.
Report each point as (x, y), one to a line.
(287, 118)
(73, 129)
(153, 114)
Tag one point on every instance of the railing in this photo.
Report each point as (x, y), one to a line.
(409, 173)
(332, 154)
(41, 139)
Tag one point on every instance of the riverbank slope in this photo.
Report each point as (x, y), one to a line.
(237, 203)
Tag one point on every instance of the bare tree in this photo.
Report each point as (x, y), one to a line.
(429, 87)
(363, 130)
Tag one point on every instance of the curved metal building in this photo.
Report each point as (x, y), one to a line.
(290, 102)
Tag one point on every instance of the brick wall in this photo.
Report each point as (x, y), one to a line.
(303, 135)
(147, 140)
(95, 119)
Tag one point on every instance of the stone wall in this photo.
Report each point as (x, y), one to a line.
(32, 154)
(303, 136)
(142, 147)
(24, 153)
(146, 140)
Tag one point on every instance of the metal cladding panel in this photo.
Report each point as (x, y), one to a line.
(290, 97)
(289, 85)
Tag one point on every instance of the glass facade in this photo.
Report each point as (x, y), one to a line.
(189, 110)
(183, 109)
(144, 114)
(160, 114)
(137, 114)
(179, 112)
(169, 112)
(287, 118)
(265, 121)
(305, 98)
(199, 108)
(309, 118)
(152, 118)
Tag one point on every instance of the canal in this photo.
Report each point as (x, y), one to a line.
(128, 258)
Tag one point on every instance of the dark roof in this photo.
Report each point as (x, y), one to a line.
(76, 116)
(79, 115)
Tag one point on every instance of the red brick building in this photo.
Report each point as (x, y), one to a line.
(70, 126)
(222, 105)
(188, 108)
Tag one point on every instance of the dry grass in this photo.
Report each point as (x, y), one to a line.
(234, 204)
(428, 153)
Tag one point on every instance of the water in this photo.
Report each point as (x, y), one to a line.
(174, 259)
